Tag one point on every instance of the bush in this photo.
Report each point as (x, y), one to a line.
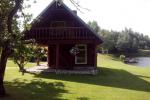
(122, 57)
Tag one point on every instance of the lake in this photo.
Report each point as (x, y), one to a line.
(143, 62)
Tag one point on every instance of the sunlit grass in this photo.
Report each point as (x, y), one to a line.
(115, 81)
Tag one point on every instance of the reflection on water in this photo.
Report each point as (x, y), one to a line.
(143, 62)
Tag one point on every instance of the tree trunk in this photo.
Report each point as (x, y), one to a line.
(3, 62)
(38, 61)
(2, 88)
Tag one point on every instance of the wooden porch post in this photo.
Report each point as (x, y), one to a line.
(95, 56)
(48, 56)
(57, 56)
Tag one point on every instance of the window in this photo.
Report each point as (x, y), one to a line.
(81, 57)
(58, 24)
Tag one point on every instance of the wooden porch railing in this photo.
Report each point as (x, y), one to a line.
(58, 33)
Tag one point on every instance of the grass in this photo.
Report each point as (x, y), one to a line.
(115, 81)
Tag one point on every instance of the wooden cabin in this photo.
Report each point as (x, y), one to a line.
(71, 43)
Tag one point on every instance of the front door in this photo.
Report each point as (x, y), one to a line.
(52, 56)
(66, 59)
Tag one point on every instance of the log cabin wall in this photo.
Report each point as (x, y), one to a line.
(66, 59)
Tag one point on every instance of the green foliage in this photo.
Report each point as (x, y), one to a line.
(109, 39)
(94, 26)
(125, 41)
(22, 54)
(27, 52)
(39, 52)
(11, 35)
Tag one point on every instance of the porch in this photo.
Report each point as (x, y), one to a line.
(43, 68)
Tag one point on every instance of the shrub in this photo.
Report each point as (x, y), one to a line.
(122, 57)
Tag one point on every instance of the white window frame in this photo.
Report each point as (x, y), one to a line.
(76, 57)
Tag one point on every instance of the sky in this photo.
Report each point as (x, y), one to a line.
(110, 14)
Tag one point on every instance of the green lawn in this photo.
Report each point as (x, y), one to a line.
(115, 81)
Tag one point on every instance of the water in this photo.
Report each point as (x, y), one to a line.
(143, 62)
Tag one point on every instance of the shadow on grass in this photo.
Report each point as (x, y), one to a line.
(106, 77)
(35, 90)
(83, 98)
(115, 59)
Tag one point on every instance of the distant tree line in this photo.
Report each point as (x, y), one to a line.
(125, 41)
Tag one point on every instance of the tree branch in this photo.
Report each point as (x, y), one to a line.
(78, 6)
(12, 13)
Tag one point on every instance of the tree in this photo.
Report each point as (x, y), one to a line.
(127, 41)
(8, 36)
(109, 38)
(39, 52)
(11, 38)
(22, 54)
(94, 26)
